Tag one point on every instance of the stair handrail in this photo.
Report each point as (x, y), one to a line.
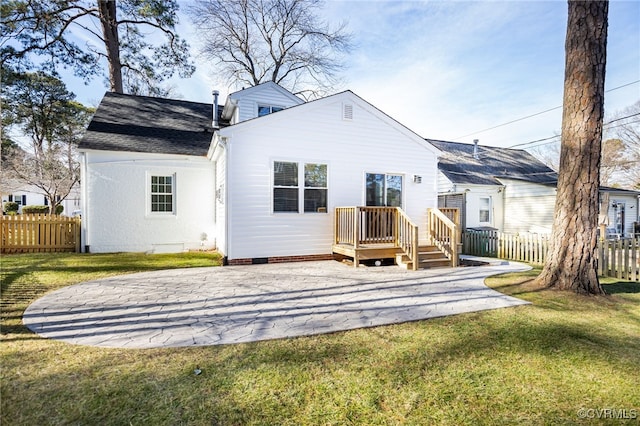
(407, 237)
(444, 234)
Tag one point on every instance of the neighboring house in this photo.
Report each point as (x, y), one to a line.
(259, 180)
(28, 196)
(511, 191)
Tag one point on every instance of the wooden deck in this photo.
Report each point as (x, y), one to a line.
(368, 251)
(372, 233)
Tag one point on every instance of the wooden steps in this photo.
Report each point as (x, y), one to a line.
(428, 257)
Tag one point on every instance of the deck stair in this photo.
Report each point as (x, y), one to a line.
(429, 256)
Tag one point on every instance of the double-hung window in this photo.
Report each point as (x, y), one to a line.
(162, 194)
(299, 187)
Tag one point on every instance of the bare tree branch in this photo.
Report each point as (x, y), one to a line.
(284, 41)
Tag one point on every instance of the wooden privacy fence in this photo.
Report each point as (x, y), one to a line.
(31, 233)
(616, 258)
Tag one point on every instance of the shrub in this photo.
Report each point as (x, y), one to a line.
(59, 209)
(11, 207)
(35, 210)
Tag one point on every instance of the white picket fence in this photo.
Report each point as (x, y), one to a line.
(616, 258)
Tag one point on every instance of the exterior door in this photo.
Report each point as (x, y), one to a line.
(384, 190)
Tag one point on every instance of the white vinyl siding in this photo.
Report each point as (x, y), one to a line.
(315, 133)
(264, 95)
(528, 207)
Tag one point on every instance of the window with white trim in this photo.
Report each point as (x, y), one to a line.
(268, 109)
(162, 193)
(299, 187)
(485, 209)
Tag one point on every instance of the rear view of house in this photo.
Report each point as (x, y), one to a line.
(258, 177)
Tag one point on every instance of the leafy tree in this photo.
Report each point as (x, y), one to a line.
(49, 30)
(284, 41)
(571, 263)
(41, 108)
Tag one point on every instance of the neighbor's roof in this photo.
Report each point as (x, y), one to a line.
(146, 124)
(458, 164)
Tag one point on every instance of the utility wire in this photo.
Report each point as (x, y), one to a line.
(537, 113)
(558, 136)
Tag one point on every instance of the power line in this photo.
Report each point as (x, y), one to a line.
(537, 113)
(558, 136)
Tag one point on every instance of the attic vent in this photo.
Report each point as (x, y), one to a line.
(347, 112)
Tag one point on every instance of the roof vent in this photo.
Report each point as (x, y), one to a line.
(347, 112)
(475, 148)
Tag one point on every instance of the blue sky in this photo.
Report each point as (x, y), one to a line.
(448, 69)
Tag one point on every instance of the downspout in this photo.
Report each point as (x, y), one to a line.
(227, 239)
(84, 219)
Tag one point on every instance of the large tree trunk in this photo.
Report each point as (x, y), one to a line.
(571, 263)
(112, 42)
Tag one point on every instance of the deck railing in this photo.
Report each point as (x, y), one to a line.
(444, 233)
(365, 225)
(372, 226)
(407, 238)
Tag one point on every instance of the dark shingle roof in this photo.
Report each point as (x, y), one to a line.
(459, 165)
(147, 124)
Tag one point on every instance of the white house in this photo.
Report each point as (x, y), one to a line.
(30, 196)
(511, 191)
(259, 180)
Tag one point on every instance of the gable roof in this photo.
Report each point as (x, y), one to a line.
(459, 165)
(147, 124)
(347, 96)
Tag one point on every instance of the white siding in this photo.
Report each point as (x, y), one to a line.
(444, 184)
(117, 216)
(266, 94)
(316, 132)
(473, 194)
(630, 212)
(528, 207)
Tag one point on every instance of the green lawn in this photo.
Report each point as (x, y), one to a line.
(535, 364)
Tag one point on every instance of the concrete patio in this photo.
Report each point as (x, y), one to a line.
(235, 304)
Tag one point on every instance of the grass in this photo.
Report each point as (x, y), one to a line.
(535, 364)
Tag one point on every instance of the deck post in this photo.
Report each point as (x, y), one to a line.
(356, 235)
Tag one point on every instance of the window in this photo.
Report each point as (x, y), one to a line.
(20, 200)
(285, 187)
(288, 192)
(267, 109)
(485, 206)
(162, 194)
(315, 188)
(384, 190)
